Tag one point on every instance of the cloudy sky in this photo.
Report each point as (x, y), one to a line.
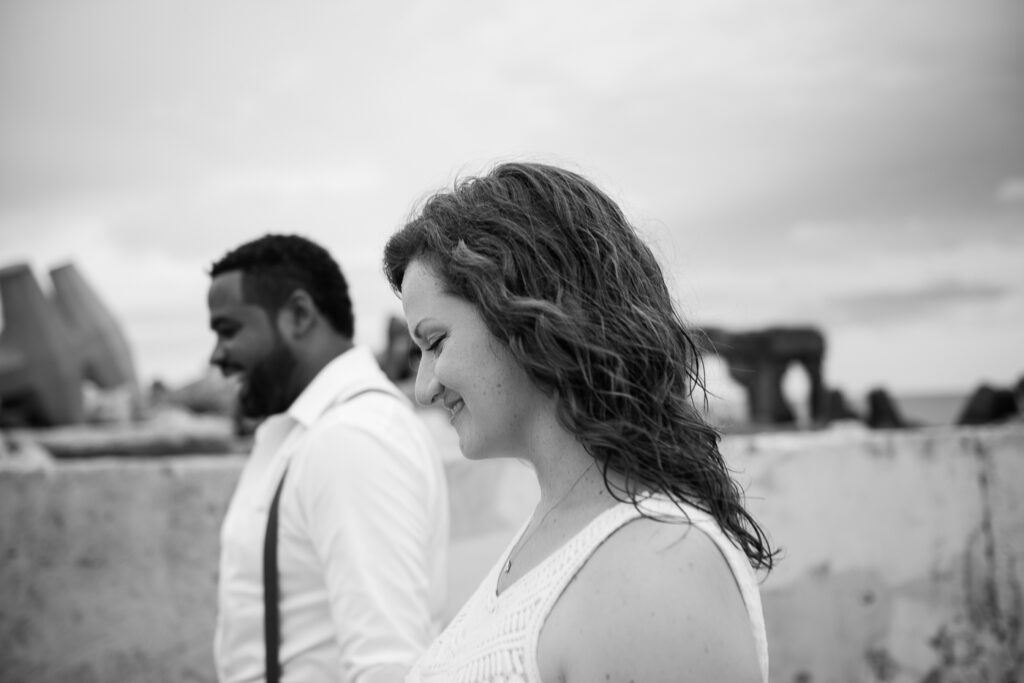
(853, 165)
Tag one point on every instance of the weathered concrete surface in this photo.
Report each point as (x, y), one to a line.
(904, 553)
(165, 432)
(904, 556)
(107, 571)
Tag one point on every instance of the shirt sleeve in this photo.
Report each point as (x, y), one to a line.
(364, 496)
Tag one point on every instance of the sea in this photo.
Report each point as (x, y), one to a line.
(932, 409)
(921, 409)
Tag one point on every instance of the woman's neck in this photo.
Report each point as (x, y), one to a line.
(561, 463)
(558, 460)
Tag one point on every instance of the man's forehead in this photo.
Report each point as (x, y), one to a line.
(226, 290)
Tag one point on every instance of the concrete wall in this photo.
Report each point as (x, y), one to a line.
(904, 553)
(904, 556)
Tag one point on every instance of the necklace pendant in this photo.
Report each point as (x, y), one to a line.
(508, 566)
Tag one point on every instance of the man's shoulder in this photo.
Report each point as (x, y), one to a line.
(377, 418)
(364, 405)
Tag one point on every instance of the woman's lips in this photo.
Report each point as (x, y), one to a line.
(454, 409)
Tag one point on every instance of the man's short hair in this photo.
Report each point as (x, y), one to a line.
(274, 266)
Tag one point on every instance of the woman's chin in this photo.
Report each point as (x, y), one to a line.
(469, 454)
(476, 451)
(471, 451)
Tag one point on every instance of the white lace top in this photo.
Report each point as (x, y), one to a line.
(493, 638)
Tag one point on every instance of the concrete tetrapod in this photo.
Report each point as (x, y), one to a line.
(40, 374)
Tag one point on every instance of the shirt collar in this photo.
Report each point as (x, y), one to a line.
(351, 372)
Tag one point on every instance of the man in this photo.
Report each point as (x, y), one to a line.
(362, 517)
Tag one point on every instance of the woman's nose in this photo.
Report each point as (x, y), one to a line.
(428, 388)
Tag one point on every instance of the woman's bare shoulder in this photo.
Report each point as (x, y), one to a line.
(657, 601)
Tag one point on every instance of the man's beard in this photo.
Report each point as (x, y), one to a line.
(266, 389)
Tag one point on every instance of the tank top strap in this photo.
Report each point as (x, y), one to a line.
(567, 564)
(563, 567)
(746, 578)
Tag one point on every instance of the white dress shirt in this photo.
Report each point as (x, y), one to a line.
(363, 533)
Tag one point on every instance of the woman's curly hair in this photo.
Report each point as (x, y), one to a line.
(562, 279)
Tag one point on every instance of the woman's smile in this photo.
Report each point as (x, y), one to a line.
(454, 409)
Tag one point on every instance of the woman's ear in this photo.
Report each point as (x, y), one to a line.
(298, 315)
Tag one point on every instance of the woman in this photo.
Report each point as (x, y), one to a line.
(548, 332)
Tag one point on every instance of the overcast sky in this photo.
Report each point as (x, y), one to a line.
(853, 165)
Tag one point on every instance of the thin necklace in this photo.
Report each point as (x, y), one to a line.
(522, 541)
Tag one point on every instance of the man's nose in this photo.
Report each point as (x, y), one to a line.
(218, 356)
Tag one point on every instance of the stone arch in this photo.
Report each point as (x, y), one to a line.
(758, 360)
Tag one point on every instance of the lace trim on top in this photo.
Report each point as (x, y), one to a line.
(493, 638)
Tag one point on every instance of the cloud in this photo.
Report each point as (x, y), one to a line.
(1011, 191)
(143, 143)
(298, 182)
(930, 300)
(848, 280)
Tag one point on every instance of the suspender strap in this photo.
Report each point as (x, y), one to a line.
(271, 592)
(271, 578)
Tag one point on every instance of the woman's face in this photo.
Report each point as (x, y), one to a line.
(491, 400)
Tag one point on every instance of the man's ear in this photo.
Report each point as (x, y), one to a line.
(298, 316)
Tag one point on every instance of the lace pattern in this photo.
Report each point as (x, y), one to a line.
(493, 638)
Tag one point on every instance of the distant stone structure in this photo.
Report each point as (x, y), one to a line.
(50, 346)
(758, 360)
(988, 405)
(883, 412)
(837, 407)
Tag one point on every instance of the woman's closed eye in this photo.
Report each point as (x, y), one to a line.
(436, 345)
